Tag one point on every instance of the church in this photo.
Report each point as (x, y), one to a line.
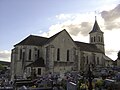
(58, 54)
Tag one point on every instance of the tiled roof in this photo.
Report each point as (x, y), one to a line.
(88, 47)
(33, 40)
(96, 28)
(37, 63)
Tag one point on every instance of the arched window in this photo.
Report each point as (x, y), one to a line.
(87, 60)
(101, 39)
(98, 60)
(38, 53)
(30, 54)
(20, 54)
(67, 55)
(94, 61)
(39, 71)
(94, 39)
(58, 54)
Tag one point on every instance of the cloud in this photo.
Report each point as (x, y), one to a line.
(111, 42)
(64, 16)
(80, 24)
(5, 55)
(75, 24)
(111, 18)
(74, 29)
(112, 14)
(110, 51)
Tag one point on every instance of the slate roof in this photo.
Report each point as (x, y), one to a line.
(96, 28)
(38, 40)
(37, 63)
(88, 47)
(33, 40)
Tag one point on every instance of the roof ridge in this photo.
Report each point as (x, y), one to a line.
(54, 36)
(84, 42)
(88, 47)
(30, 40)
(37, 36)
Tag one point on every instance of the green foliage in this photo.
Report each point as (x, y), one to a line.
(99, 83)
(83, 86)
(63, 84)
(1, 67)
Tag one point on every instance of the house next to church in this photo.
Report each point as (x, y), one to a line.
(58, 54)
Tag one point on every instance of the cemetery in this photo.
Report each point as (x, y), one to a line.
(106, 80)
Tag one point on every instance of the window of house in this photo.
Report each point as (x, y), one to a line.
(35, 53)
(30, 54)
(87, 60)
(101, 39)
(23, 60)
(97, 60)
(38, 53)
(39, 71)
(67, 55)
(94, 39)
(58, 54)
(20, 54)
(47, 55)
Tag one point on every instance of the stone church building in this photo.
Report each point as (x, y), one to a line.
(58, 54)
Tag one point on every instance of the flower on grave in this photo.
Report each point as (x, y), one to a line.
(99, 83)
(83, 86)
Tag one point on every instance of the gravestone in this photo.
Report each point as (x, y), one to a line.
(71, 86)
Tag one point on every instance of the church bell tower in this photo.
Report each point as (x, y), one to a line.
(97, 37)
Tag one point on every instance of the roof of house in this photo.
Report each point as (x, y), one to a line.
(37, 63)
(88, 47)
(33, 40)
(96, 28)
(107, 58)
(39, 41)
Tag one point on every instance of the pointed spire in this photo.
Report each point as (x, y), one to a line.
(95, 18)
(96, 27)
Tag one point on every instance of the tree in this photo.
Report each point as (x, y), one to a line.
(119, 55)
(1, 67)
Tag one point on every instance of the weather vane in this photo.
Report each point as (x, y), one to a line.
(96, 12)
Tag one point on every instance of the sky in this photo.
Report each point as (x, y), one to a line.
(21, 18)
